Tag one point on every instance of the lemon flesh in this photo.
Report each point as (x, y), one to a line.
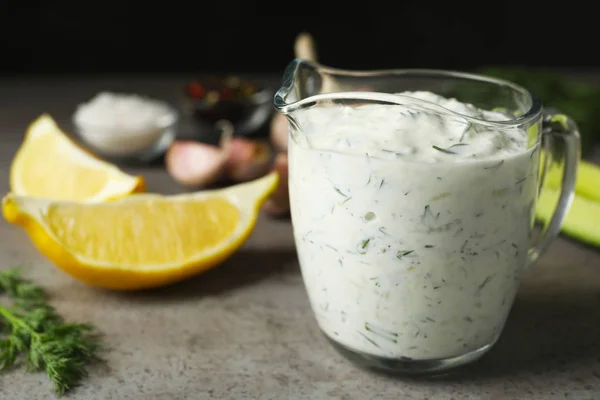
(50, 165)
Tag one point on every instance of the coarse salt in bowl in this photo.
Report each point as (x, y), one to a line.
(126, 126)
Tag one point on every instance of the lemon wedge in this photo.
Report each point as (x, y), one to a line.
(50, 165)
(144, 240)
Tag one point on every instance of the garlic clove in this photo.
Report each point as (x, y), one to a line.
(279, 132)
(278, 205)
(248, 159)
(195, 164)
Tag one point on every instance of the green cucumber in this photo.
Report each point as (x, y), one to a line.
(583, 218)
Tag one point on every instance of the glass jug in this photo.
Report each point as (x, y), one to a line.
(413, 214)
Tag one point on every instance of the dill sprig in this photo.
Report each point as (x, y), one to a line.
(34, 335)
(443, 150)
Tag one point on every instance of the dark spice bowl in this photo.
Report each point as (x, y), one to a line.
(246, 105)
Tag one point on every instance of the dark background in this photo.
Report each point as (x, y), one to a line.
(174, 36)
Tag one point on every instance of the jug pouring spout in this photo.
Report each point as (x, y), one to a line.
(302, 79)
(306, 82)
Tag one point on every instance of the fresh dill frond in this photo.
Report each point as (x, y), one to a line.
(33, 335)
(443, 150)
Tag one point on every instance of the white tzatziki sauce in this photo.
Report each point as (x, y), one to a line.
(412, 226)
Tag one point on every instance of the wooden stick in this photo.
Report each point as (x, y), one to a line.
(305, 48)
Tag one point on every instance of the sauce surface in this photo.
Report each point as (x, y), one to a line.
(412, 226)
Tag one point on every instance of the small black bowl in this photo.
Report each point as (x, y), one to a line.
(217, 100)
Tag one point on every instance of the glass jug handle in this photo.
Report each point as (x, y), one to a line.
(557, 128)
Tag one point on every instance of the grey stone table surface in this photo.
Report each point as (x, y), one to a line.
(245, 330)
